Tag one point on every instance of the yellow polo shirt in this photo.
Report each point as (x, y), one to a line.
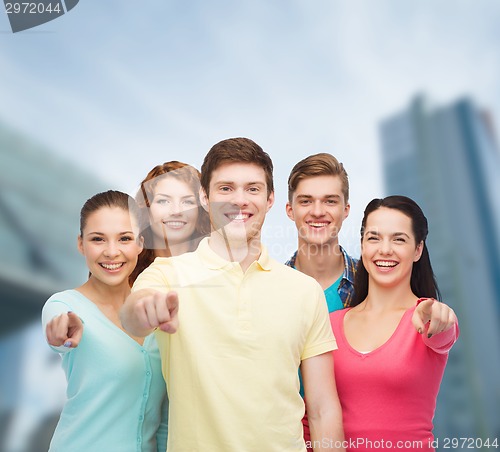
(232, 367)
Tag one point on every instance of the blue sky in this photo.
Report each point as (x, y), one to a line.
(120, 86)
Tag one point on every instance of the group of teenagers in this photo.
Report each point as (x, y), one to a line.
(188, 336)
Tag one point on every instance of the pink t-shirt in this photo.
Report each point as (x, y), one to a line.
(389, 394)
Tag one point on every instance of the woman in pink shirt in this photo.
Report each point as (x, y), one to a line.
(393, 343)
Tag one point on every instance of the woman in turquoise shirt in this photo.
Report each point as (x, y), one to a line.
(116, 393)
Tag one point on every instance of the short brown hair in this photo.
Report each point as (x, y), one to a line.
(236, 150)
(322, 164)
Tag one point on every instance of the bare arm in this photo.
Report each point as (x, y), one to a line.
(323, 406)
(147, 309)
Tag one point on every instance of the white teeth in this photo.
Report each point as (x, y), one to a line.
(239, 216)
(112, 266)
(317, 225)
(385, 264)
(174, 224)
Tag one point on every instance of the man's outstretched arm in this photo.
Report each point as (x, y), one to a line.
(148, 309)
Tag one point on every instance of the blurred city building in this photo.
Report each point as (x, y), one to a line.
(40, 200)
(447, 159)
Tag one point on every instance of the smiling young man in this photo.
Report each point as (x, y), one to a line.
(232, 365)
(318, 203)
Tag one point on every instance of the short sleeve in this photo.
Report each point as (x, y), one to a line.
(152, 277)
(320, 338)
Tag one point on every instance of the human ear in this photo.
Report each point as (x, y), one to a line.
(79, 244)
(270, 201)
(347, 210)
(140, 242)
(289, 211)
(418, 251)
(203, 199)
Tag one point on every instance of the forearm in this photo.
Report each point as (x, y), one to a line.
(441, 342)
(131, 317)
(322, 401)
(327, 433)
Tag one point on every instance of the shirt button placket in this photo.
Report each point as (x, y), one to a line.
(244, 307)
(145, 395)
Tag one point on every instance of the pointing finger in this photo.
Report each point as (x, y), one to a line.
(422, 314)
(75, 330)
(172, 304)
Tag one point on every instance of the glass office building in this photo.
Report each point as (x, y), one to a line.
(40, 198)
(447, 159)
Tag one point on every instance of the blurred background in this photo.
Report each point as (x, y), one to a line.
(405, 94)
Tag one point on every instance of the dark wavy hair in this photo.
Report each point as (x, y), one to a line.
(423, 282)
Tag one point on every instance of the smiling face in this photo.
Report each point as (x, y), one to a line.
(238, 202)
(173, 212)
(110, 245)
(318, 209)
(388, 247)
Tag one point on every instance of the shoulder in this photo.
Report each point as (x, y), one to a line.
(289, 272)
(165, 271)
(60, 302)
(339, 314)
(337, 317)
(163, 263)
(66, 296)
(351, 265)
(292, 280)
(349, 260)
(291, 262)
(156, 268)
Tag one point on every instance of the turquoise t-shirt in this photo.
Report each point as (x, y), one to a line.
(333, 299)
(116, 394)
